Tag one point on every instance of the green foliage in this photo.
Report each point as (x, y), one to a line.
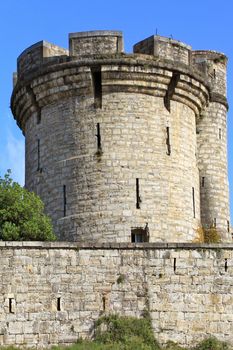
(207, 235)
(211, 235)
(212, 344)
(220, 59)
(22, 215)
(200, 235)
(121, 279)
(87, 345)
(137, 343)
(134, 333)
(173, 346)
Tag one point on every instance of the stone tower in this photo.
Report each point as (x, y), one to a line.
(125, 147)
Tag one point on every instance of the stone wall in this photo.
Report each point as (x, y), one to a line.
(101, 197)
(53, 292)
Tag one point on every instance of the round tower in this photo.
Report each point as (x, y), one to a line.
(111, 144)
(212, 144)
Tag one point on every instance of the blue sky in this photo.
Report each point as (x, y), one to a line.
(203, 24)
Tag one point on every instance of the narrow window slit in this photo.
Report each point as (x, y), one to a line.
(39, 116)
(11, 311)
(214, 222)
(174, 264)
(226, 267)
(138, 199)
(59, 304)
(64, 200)
(97, 86)
(168, 141)
(228, 226)
(203, 181)
(104, 303)
(118, 45)
(98, 135)
(38, 155)
(193, 196)
(220, 133)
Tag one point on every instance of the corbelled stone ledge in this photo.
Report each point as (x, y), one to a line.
(120, 246)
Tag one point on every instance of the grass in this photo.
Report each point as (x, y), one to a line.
(129, 333)
(136, 343)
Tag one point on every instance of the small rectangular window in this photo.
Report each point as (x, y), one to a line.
(228, 226)
(193, 196)
(220, 133)
(64, 200)
(139, 235)
(97, 86)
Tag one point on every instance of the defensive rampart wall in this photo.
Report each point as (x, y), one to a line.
(52, 293)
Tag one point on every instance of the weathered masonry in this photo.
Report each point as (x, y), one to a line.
(125, 147)
(128, 152)
(51, 293)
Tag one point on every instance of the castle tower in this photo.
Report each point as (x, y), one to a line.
(211, 141)
(111, 143)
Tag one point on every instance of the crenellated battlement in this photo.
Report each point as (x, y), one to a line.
(95, 42)
(37, 55)
(166, 48)
(208, 67)
(214, 65)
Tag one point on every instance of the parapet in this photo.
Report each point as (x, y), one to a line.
(213, 64)
(165, 48)
(35, 55)
(95, 48)
(95, 42)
